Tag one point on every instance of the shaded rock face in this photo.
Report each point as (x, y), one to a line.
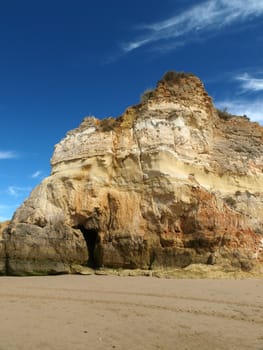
(3, 225)
(167, 184)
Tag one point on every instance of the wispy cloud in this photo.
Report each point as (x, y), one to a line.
(250, 108)
(36, 174)
(212, 15)
(16, 191)
(7, 154)
(249, 83)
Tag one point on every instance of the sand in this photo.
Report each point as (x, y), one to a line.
(108, 312)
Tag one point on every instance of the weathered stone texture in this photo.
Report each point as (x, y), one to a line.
(3, 225)
(169, 183)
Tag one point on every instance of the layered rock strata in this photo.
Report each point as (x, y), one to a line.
(169, 183)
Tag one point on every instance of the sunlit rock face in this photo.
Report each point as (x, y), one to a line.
(169, 183)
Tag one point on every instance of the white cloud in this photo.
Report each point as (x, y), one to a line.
(251, 108)
(249, 83)
(16, 191)
(7, 155)
(36, 174)
(211, 15)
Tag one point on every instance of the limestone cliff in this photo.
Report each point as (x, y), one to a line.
(3, 225)
(169, 183)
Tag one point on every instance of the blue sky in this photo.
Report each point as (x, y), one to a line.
(62, 60)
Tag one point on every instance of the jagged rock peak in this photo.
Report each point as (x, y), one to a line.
(177, 95)
(183, 88)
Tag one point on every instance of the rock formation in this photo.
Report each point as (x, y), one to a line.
(3, 225)
(169, 183)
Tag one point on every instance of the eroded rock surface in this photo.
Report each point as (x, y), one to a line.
(3, 225)
(169, 183)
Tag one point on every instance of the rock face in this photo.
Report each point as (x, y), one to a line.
(169, 183)
(3, 225)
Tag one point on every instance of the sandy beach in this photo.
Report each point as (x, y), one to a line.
(109, 312)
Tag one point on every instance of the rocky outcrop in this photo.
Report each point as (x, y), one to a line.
(3, 225)
(169, 183)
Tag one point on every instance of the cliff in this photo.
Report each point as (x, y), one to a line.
(169, 183)
(3, 226)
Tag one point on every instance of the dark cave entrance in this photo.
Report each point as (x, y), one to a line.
(91, 237)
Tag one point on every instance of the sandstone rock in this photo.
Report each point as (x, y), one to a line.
(168, 184)
(3, 225)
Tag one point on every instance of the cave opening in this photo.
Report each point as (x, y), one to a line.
(91, 237)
